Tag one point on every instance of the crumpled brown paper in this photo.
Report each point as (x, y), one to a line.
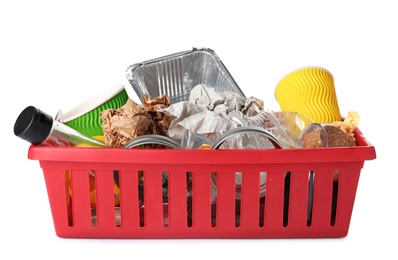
(133, 119)
(349, 124)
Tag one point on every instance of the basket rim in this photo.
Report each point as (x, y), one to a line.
(363, 151)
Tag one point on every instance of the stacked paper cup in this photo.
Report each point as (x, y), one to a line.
(309, 91)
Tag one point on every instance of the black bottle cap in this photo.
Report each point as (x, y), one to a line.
(33, 125)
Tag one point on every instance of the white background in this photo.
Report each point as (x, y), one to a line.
(54, 54)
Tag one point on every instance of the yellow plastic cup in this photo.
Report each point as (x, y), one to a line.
(309, 91)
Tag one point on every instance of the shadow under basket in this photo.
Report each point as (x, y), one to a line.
(171, 193)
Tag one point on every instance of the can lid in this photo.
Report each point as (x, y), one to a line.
(33, 125)
(152, 139)
(245, 130)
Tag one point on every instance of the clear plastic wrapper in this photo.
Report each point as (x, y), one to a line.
(286, 126)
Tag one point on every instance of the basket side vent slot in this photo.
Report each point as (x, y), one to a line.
(286, 189)
(213, 196)
(311, 177)
(336, 175)
(68, 196)
(189, 198)
(141, 193)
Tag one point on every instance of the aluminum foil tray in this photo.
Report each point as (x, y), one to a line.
(176, 74)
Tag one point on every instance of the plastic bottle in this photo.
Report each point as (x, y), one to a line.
(39, 128)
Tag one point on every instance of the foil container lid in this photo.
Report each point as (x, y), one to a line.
(176, 74)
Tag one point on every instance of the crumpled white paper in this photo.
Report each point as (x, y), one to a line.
(210, 114)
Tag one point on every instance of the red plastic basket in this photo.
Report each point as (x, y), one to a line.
(302, 199)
